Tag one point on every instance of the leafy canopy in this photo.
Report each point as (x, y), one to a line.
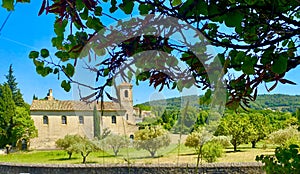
(258, 39)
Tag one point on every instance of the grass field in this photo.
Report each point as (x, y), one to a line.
(169, 155)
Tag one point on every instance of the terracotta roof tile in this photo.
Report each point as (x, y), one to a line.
(68, 105)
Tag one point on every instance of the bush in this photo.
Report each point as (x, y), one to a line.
(285, 160)
(212, 151)
(222, 140)
(285, 137)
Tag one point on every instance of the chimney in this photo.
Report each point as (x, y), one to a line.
(50, 95)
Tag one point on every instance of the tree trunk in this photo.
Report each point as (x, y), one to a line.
(253, 144)
(152, 153)
(116, 152)
(7, 149)
(198, 159)
(235, 147)
(70, 155)
(84, 157)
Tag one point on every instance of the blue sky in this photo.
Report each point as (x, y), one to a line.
(25, 31)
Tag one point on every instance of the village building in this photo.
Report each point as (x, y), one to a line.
(56, 118)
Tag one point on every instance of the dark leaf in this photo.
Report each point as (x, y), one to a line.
(42, 9)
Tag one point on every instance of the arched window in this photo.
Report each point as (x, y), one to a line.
(127, 117)
(131, 136)
(45, 119)
(63, 119)
(126, 93)
(81, 119)
(113, 119)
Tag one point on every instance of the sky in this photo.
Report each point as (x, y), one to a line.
(26, 31)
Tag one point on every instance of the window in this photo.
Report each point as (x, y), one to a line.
(126, 93)
(131, 136)
(63, 119)
(113, 119)
(127, 117)
(81, 120)
(45, 119)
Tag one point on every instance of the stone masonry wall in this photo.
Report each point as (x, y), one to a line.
(215, 168)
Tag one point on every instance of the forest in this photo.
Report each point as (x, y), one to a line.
(277, 102)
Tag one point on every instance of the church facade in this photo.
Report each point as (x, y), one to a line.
(56, 118)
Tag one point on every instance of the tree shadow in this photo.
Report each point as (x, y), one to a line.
(144, 157)
(87, 162)
(232, 151)
(63, 159)
(107, 156)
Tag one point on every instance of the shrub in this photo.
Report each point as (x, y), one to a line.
(211, 151)
(285, 160)
(222, 140)
(285, 137)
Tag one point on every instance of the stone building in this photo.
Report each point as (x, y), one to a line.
(56, 118)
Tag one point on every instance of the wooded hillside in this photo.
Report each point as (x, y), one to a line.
(285, 103)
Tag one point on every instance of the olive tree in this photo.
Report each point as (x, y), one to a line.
(115, 142)
(67, 142)
(285, 137)
(151, 139)
(196, 140)
(84, 147)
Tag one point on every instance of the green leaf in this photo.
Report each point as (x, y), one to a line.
(43, 71)
(251, 2)
(291, 44)
(238, 58)
(57, 41)
(66, 85)
(100, 51)
(179, 86)
(201, 8)
(59, 27)
(176, 2)
(233, 19)
(94, 23)
(39, 69)
(98, 11)
(105, 72)
(280, 64)
(69, 70)
(143, 76)
(56, 70)
(127, 6)
(248, 65)
(79, 5)
(33, 54)
(285, 42)
(8, 4)
(64, 56)
(113, 7)
(145, 8)
(38, 63)
(84, 15)
(44, 53)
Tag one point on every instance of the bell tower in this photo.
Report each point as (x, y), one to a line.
(126, 100)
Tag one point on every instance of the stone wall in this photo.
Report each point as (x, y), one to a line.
(49, 133)
(215, 168)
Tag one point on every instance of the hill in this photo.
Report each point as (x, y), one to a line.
(281, 102)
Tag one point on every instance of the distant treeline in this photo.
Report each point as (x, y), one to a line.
(281, 102)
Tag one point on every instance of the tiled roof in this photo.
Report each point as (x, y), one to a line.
(68, 105)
